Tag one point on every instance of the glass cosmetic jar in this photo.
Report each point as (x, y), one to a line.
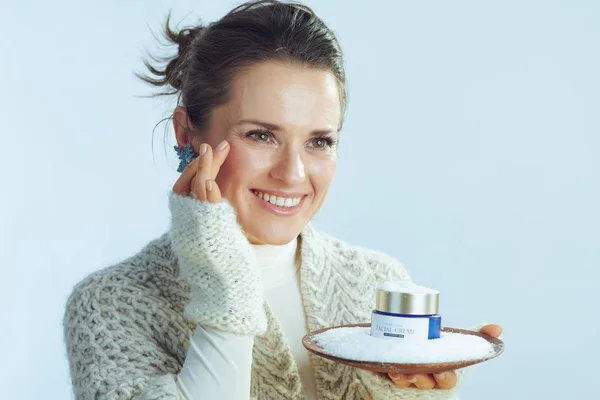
(406, 311)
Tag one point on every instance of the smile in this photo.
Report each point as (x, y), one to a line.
(278, 200)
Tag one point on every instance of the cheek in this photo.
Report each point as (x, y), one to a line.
(228, 177)
(241, 168)
(225, 178)
(322, 174)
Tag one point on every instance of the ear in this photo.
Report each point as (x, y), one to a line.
(181, 125)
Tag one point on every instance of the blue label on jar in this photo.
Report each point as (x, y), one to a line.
(405, 327)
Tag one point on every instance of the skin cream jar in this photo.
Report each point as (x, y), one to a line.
(405, 311)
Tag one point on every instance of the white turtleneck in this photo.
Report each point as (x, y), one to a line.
(218, 364)
(280, 270)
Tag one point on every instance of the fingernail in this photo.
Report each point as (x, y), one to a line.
(209, 184)
(203, 148)
(395, 376)
(222, 145)
(413, 380)
(440, 377)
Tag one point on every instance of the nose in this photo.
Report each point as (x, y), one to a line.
(289, 168)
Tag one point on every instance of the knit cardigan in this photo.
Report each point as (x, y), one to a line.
(127, 336)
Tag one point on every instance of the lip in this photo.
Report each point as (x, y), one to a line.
(279, 210)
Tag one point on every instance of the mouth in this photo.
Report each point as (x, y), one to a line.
(280, 203)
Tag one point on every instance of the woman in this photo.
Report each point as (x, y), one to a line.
(216, 307)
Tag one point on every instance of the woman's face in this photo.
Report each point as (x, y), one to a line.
(282, 125)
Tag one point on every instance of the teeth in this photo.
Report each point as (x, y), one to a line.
(279, 201)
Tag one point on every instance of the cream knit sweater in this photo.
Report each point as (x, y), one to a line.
(127, 327)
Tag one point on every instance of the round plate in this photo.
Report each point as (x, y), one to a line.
(385, 367)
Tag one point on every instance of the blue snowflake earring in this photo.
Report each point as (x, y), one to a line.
(186, 155)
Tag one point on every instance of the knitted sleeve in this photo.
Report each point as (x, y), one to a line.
(110, 334)
(110, 347)
(217, 261)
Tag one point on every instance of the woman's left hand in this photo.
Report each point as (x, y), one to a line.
(445, 380)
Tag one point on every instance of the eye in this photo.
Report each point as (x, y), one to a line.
(322, 142)
(260, 135)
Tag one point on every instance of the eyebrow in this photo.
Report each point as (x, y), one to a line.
(276, 128)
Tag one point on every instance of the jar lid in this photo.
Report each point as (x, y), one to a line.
(405, 297)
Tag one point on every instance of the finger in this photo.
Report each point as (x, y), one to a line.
(491, 330)
(219, 156)
(379, 375)
(213, 193)
(422, 381)
(184, 183)
(446, 380)
(400, 380)
(203, 172)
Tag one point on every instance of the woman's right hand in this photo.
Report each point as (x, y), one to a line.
(198, 178)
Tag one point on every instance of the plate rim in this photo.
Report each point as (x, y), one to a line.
(410, 368)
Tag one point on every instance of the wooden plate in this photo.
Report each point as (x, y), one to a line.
(384, 367)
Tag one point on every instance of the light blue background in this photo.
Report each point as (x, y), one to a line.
(470, 152)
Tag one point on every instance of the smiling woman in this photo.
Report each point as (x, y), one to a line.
(217, 306)
(281, 123)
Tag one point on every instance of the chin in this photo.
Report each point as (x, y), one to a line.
(271, 235)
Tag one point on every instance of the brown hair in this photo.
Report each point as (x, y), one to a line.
(209, 56)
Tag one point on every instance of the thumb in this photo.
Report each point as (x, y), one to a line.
(213, 193)
(493, 330)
